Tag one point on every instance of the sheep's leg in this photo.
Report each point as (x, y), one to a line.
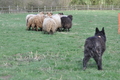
(98, 62)
(33, 26)
(40, 29)
(37, 28)
(58, 29)
(68, 29)
(51, 32)
(64, 29)
(28, 28)
(44, 32)
(61, 29)
(85, 60)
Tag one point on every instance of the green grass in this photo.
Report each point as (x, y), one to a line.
(31, 55)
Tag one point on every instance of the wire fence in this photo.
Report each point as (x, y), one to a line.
(24, 9)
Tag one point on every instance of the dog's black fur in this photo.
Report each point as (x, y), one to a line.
(94, 48)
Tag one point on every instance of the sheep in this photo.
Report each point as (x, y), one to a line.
(41, 13)
(28, 17)
(60, 13)
(30, 23)
(31, 15)
(66, 22)
(36, 21)
(71, 17)
(49, 25)
(63, 15)
(57, 19)
(48, 14)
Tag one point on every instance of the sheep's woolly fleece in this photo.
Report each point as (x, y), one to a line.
(49, 25)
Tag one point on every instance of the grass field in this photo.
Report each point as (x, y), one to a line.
(31, 55)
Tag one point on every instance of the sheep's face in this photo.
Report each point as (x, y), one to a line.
(71, 17)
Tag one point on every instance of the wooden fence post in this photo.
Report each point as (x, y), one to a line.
(56, 8)
(112, 7)
(17, 8)
(44, 8)
(74, 7)
(61, 8)
(101, 7)
(67, 7)
(31, 8)
(51, 8)
(9, 8)
(1, 9)
(118, 23)
(38, 10)
(87, 7)
(25, 8)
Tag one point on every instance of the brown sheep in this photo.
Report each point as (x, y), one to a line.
(36, 22)
(30, 23)
(28, 17)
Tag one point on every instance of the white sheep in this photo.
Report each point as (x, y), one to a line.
(57, 19)
(49, 25)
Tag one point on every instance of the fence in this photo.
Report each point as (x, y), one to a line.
(18, 9)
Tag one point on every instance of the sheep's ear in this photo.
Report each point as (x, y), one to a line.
(97, 30)
(51, 13)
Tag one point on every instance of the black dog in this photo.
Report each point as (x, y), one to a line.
(94, 48)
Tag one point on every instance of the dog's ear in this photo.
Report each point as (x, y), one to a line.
(97, 30)
(103, 30)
